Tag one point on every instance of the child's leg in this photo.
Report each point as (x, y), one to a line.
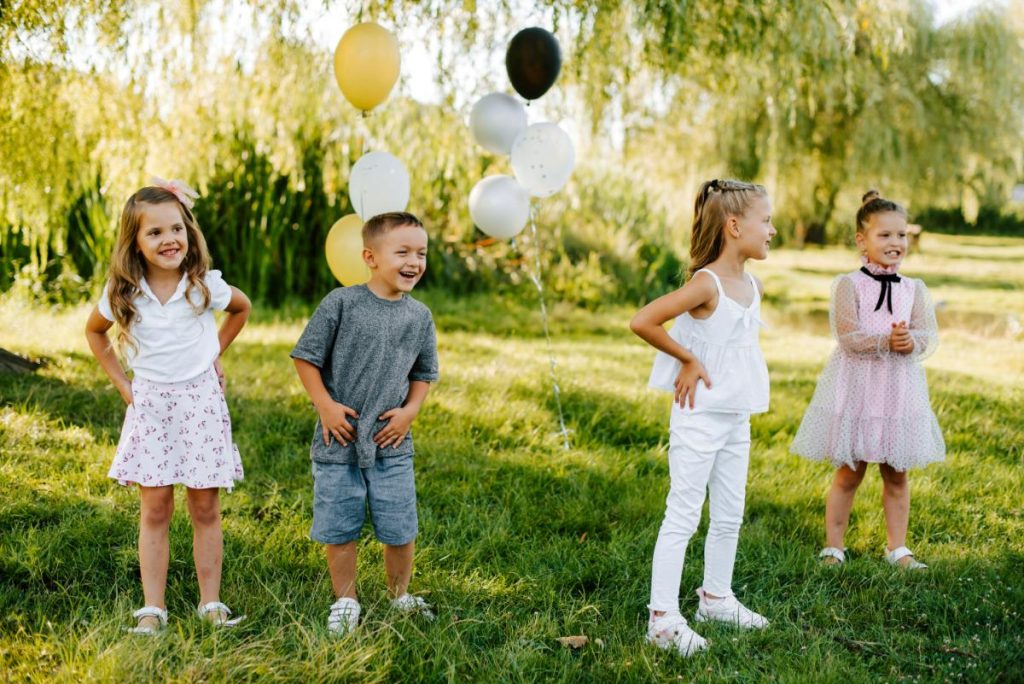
(398, 566)
(207, 541)
(839, 503)
(690, 460)
(156, 508)
(341, 561)
(727, 488)
(896, 504)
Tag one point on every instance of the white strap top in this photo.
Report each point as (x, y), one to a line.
(727, 345)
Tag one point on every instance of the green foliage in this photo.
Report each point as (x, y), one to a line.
(817, 100)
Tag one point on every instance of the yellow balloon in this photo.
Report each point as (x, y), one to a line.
(344, 250)
(366, 64)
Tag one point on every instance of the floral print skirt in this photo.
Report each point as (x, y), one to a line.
(177, 433)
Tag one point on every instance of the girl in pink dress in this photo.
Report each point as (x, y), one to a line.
(161, 293)
(871, 404)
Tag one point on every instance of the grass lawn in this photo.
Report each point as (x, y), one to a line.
(520, 541)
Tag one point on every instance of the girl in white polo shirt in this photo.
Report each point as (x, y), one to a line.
(711, 361)
(161, 294)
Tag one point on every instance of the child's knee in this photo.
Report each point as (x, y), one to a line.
(204, 511)
(893, 478)
(157, 512)
(848, 480)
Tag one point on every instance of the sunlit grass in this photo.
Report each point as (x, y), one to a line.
(522, 541)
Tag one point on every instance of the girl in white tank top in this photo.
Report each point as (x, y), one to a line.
(712, 363)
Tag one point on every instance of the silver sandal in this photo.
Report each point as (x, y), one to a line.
(896, 555)
(144, 612)
(204, 610)
(833, 552)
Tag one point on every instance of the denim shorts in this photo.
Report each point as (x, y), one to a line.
(341, 492)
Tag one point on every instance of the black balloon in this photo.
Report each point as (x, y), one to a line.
(533, 61)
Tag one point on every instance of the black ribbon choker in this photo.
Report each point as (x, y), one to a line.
(885, 295)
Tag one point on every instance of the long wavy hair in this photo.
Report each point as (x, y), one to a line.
(128, 266)
(717, 200)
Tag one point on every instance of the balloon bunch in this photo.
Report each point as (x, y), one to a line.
(366, 66)
(542, 159)
(542, 154)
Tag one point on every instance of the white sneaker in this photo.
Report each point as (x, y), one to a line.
(670, 631)
(409, 604)
(344, 616)
(728, 610)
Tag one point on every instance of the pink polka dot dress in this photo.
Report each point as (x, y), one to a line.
(871, 404)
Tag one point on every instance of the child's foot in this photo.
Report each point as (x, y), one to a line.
(344, 616)
(830, 555)
(729, 610)
(217, 614)
(904, 558)
(671, 631)
(412, 605)
(149, 621)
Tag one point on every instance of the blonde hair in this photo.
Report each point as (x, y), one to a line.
(128, 266)
(717, 200)
(873, 203)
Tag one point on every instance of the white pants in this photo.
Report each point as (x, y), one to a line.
(707, 451)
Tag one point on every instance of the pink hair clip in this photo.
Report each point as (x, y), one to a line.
(186, 195)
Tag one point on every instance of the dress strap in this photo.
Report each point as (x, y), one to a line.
(718, 283)
(753, 284)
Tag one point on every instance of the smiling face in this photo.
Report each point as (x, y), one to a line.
(754, 230)
(884, 238)
(397, 260)
(162, 238)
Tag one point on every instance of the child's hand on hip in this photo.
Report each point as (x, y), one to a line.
(392, 434)
(334, 421)
(900, 340)
(686, 382)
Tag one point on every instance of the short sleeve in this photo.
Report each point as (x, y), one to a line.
(103, 305)
(317, 340)
(220, 291)
(424, 369)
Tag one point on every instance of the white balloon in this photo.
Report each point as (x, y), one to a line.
(496, 120)
(499, 206)
(378, 184)
(543, 158)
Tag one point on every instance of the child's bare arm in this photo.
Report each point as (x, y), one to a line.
(400, 418)
(96, 333)
(648, 324)
(333, 416)
(238, 313)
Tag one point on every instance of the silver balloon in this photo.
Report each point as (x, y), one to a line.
(543, 159)
(496, 120)
(378, 184)
(499, 206)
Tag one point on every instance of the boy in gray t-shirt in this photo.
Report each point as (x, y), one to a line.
(367, 358)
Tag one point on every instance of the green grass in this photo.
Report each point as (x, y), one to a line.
(521, 541)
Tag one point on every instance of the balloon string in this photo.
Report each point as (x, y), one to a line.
(536, 278)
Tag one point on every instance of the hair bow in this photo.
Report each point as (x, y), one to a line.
(185, 194)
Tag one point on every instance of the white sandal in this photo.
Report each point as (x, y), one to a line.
(833, 552)
(144, 612)
(204, 610)
(896, 555)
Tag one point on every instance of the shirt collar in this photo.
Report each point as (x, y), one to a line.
(179, 291)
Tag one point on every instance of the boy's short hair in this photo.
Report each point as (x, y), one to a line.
(382, 223)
